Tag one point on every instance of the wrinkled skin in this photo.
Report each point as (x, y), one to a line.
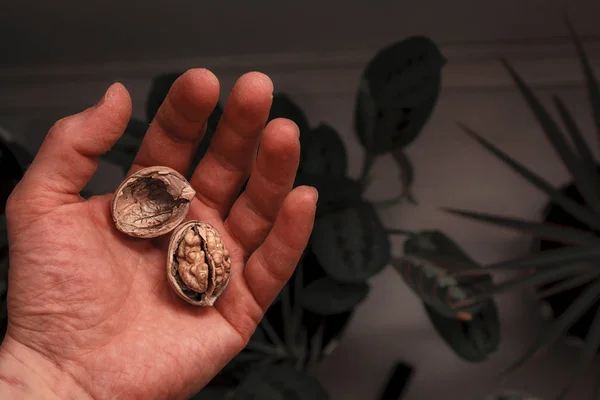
(93, 304)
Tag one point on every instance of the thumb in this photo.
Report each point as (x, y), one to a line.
(68, 157)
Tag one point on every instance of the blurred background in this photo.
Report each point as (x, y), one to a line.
(58, 58)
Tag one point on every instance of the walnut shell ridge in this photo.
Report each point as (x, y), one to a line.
(151, 202)
(198, 264)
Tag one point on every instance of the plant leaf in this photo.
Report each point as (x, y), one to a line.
(569, 283)
(585, 183)
(351, 245)
(279, 382)
(336, 193)
(327, 297)
(429, 276)
(560, 255)
(569, 205)
(586, 155)
(545, 230)
(399, 87)
(460, 336)
(283, 107)
(322, 152)
(541, 276)
(592, 83)
(551, 335)
(589, 351)
(439, 243)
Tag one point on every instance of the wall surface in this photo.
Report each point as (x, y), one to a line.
(320, 72)
(71, 31)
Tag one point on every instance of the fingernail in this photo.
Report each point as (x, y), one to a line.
(103, 99)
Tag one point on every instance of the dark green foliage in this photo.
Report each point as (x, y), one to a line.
(336, 193)
(284, 107)
(397, 94)
(280, 382)
(322, 152)
(432, 277)
(327, 297)
(472, 340)
(574, 261)
(351, 244)
(429, 265)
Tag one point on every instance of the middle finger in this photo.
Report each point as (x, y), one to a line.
(231, 155)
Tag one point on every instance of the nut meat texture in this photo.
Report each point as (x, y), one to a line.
(155, 201)
(198, 264)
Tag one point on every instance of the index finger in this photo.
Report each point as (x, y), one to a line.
(180, 122)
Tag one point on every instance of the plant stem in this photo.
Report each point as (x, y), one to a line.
(270, 332)
(368, 162)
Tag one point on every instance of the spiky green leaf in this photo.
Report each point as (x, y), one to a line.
(569, 283)
(562, 255)
(558, 328)
(592, 84)
(589, 351)
(583, 180)
(568, 204)
(585, 153)
(545, 230)
(540, 276)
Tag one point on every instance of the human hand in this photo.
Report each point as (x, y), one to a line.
(90, 313)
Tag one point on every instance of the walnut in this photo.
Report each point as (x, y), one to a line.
(198, 264)
(151, 202)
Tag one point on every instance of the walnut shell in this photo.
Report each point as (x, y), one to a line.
(198, 264)
(151, 202)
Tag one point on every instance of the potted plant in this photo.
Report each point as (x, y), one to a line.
(562, 267)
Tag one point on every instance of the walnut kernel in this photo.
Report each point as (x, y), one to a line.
(198, 264)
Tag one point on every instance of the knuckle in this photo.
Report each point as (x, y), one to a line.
(62, 126)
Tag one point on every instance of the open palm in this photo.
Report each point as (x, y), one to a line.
(95, 303)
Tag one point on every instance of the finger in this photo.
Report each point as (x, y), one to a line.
(68, 157)
(254, 212)
(271, 265)
(232, 152)
(180, 122)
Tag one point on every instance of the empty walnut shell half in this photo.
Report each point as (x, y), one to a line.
(198, 264)
(151, 202)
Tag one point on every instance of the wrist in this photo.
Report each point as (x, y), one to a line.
(26, 374)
